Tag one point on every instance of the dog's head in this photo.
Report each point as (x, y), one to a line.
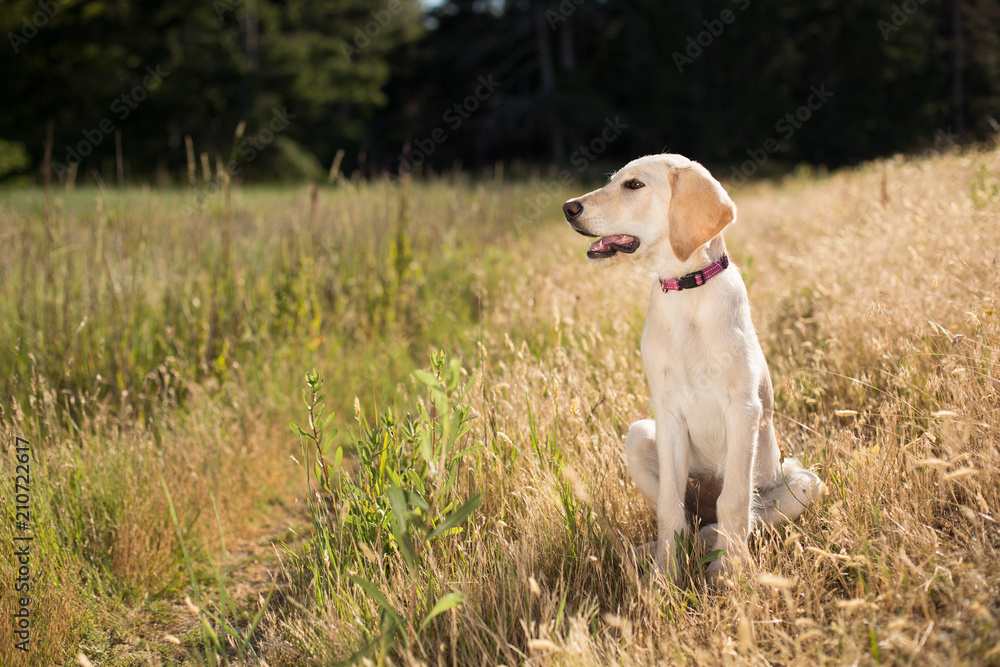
(649, 204)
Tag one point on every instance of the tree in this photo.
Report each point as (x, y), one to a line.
(221, 62)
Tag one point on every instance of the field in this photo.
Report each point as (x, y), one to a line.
(474, 376)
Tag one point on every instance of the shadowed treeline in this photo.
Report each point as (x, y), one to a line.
(169, 91)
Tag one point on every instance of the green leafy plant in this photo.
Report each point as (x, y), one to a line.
(686, 561)
(401, 501)
(320, 435)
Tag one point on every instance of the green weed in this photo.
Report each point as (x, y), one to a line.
(402, 503)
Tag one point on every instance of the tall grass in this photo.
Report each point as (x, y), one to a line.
(877, 312)
(118, 296)
(874, 292)
(139, 342)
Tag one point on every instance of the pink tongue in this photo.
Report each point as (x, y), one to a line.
(618, 239)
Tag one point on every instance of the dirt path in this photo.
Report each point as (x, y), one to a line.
(164, 632)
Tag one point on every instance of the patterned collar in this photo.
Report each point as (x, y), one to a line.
(696, 278)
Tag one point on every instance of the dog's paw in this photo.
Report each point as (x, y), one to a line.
(719, 570)
(811, 485)
(804, 484)
(708, 535)
(726, 567)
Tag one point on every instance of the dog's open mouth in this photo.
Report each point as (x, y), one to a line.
(608, 246)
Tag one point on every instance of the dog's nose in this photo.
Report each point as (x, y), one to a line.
(572, 209)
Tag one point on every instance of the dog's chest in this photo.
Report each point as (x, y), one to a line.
(693, 364)
(690, 350)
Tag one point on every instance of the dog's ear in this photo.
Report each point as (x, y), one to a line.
(699, 209)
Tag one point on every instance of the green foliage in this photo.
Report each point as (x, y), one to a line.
(689, 567)
(403, 501)
(320, 435)
(359, 76)
(295, 163)
(248, 58)
(983, 189)
(13, 157)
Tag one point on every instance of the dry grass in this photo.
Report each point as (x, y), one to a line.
(879, 304)
(874, 294)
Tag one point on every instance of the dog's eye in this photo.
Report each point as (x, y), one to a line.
(633, 184)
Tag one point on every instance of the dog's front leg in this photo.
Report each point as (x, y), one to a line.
(672, 453)
(734, 506)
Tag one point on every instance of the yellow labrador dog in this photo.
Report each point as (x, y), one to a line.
(708, 379)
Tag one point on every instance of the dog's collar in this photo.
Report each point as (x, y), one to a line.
(696, 278)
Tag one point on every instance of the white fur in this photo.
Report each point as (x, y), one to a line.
(709, 382)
